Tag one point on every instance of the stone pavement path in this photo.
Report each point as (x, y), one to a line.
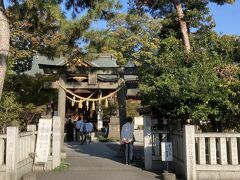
(96, 161)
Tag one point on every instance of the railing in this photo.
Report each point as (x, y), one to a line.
(17, 150)
(206, 155)
(177, 139)
(25, 145)
(217, 148)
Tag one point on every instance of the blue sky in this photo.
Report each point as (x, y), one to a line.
(227, 18)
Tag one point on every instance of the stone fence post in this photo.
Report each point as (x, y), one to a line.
(56, 151)
(1, 151)
(147, 142)
(12, 153)
(189, 152)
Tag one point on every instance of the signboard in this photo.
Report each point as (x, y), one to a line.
(43, 140)
(166, 148)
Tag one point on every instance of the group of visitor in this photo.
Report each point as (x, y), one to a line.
(81, 128)
(84, 129)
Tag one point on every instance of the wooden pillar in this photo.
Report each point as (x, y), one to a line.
(62, 108)
(121, 95)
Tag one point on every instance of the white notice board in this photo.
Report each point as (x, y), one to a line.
(166, 148)
(43, 140)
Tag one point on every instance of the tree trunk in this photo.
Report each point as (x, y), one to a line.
(183, 26)
(4, 45)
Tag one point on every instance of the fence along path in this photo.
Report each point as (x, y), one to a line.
(204, 155)
(17, 150)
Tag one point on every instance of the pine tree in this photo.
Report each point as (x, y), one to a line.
(188, 14)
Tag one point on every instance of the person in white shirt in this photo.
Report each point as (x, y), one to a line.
(127, 138)
(79, 128)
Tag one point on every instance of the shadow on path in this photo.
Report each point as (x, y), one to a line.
(99, 160)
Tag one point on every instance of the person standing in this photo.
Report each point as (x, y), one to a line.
(87, 130)
(69, 126)
(127, 138)
(79, 125)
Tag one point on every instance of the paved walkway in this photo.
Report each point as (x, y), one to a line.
(97, 161)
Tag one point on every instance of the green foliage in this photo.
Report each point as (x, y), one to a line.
(35, 28)
(131, 106)
(104, 139)
(63, 166)
(10, 111)
(109, 111)
(196, 13)
(25, 100)
(208, 89)
(126, 38)
(30, 89)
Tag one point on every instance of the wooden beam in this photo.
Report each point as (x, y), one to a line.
(55, 69)
(82, 85)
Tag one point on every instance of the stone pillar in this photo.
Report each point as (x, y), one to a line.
(32, 128)
(56, 151)
(212, 150)
(147, 142)
(12, 153)
(99, 120)
(61, 108)
(1, 151)
(202, 151)
(189, 155)
(233, 151)
(223, 151)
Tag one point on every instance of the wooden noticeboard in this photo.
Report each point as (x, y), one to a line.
(43, 140)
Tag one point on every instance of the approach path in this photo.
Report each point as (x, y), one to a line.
(96, 161)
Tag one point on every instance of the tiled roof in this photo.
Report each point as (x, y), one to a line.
(43, 60)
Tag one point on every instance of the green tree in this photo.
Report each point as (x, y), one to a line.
(183, 14)
(203, 90)
(35, 28)
(40, 11)
(10, 111)
(130, 37)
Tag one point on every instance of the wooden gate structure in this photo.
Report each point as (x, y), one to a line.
(101, 74)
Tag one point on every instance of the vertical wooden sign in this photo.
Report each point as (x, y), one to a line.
(43, 140)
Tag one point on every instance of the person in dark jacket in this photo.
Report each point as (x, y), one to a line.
(69, 127)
